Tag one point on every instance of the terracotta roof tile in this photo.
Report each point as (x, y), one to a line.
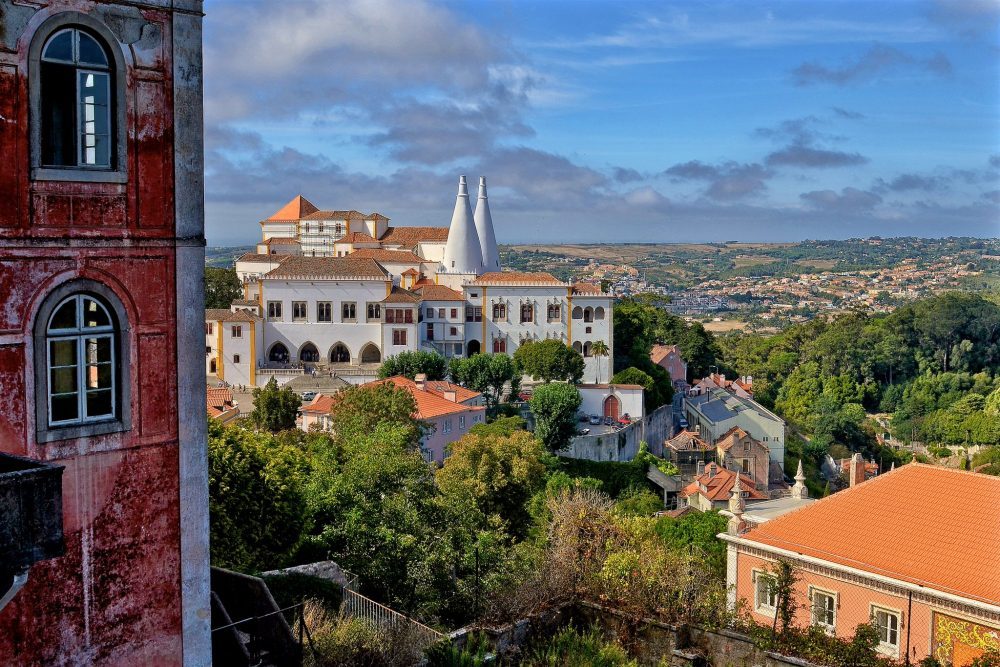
(256, 257)
(391, 256)
(409, 237)
(356, 237)
(281, 240)
(226, 315)
(434, 292)
(923, 524)
(661, 352)
(335, 215)
(400, 295)
(328, 267)
(517, 278)
(296, 209)
(320, 405)
(719, 486)
(429, 404)
(587, 289)
(688, 441)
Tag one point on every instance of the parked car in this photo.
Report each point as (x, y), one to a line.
(609, 421)
(584, 431)
(595, 420)
(624, 420)
(584, 417)
(682, 422)
(308, 395)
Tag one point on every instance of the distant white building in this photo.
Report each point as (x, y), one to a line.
(339, 291)
(713, 411)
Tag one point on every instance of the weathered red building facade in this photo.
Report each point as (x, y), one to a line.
(101, 305)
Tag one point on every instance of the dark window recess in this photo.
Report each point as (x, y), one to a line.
(76, 102)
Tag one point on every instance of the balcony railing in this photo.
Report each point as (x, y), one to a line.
(31, 526)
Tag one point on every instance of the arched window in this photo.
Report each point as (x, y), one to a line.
(577, 313)
(278, 354)
(588, 314)
(586, 349)
(309, 353)
(599, 313)
(80, 347)
(339, 354)
(77, 101)
(577, 346)
(370, 354)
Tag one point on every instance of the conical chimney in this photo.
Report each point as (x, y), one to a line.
(484, 228)
(462, 253)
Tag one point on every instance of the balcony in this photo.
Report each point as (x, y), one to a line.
(31, 525)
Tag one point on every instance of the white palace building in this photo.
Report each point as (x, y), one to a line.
(336, 292)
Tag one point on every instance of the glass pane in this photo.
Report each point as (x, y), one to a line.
(99, 376)
(99, 403)
(64, 408)
(60, 47)
(63, 380)
(95, 119)
(99, 350)
(94, 314)
(58, 112)
(91, 52)
(62, 353)
(65, 316)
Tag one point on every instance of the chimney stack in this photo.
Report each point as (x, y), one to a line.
(799, 491)
(857, 471)
(420, 380)
(736, 507)
(700, 469)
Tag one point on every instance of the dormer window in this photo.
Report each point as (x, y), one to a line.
(77, 101)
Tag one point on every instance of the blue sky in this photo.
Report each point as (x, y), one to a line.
(610, 121)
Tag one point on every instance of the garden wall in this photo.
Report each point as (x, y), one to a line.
(623, 445)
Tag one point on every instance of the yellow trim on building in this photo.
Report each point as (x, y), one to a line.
(220, 366)
(388, 287)
(569, 316)
(253, 354)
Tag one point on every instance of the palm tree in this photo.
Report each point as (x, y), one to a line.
(599, 349)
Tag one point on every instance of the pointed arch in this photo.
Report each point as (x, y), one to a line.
(309, 353)
(278, 353)
(472, 348)
(339, 354)
(577, 346)
(577, 313)
(612, 407)
(370, 354)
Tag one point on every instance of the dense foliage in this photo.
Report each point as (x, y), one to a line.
(411, 363)
(489, 374)
(222, 287)
(275, 409)
(549, 360)
(555, 407)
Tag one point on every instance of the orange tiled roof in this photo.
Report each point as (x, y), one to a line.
(335, 215)
(661, 352)
(429, 404)
(320, 405)
(257, 257)
(516, 277)
(400, 295)
(922, 524)
(383, 255)
(688, 441)
(328, 267)
(585, 289)
(432, 292)
(281, 240)
(409, 237)
(719, 487)
(356, 237)
(296, 209)
(440, 386)
(226, 315)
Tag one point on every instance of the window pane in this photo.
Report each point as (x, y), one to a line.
(91, 52)
(94, 314)
(64, 380)
(58, 115)
(65, 316)
(64, 408)
(95, 119)
(98, 350)
(99, 376)
(60, 47)
(62, 353)
(99, 403)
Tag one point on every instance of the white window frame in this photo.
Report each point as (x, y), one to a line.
(344, 306)
(446, 427)
(886, 648)
(759, 607)
(461, 422)
(326, 316)
(300, 307)
(815, 591)
(80, 335)
(274, 311)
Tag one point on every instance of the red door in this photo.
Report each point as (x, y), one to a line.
(612, 406)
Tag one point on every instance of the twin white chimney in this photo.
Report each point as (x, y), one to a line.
(472, 244)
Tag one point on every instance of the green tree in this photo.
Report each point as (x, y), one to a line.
(600, 350)
(222, 287)
(549, 360)
(488, 374)
(411, 363)
(497, 474)
(555, 407)
(274, 409)
(360, 411)
(633, 375)
(258, 507)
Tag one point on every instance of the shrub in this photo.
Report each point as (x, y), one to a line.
(571, 648)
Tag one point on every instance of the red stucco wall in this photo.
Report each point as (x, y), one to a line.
(114, 597)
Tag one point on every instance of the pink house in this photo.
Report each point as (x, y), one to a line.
(449, 410)
(914, 551)
(669, 357)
